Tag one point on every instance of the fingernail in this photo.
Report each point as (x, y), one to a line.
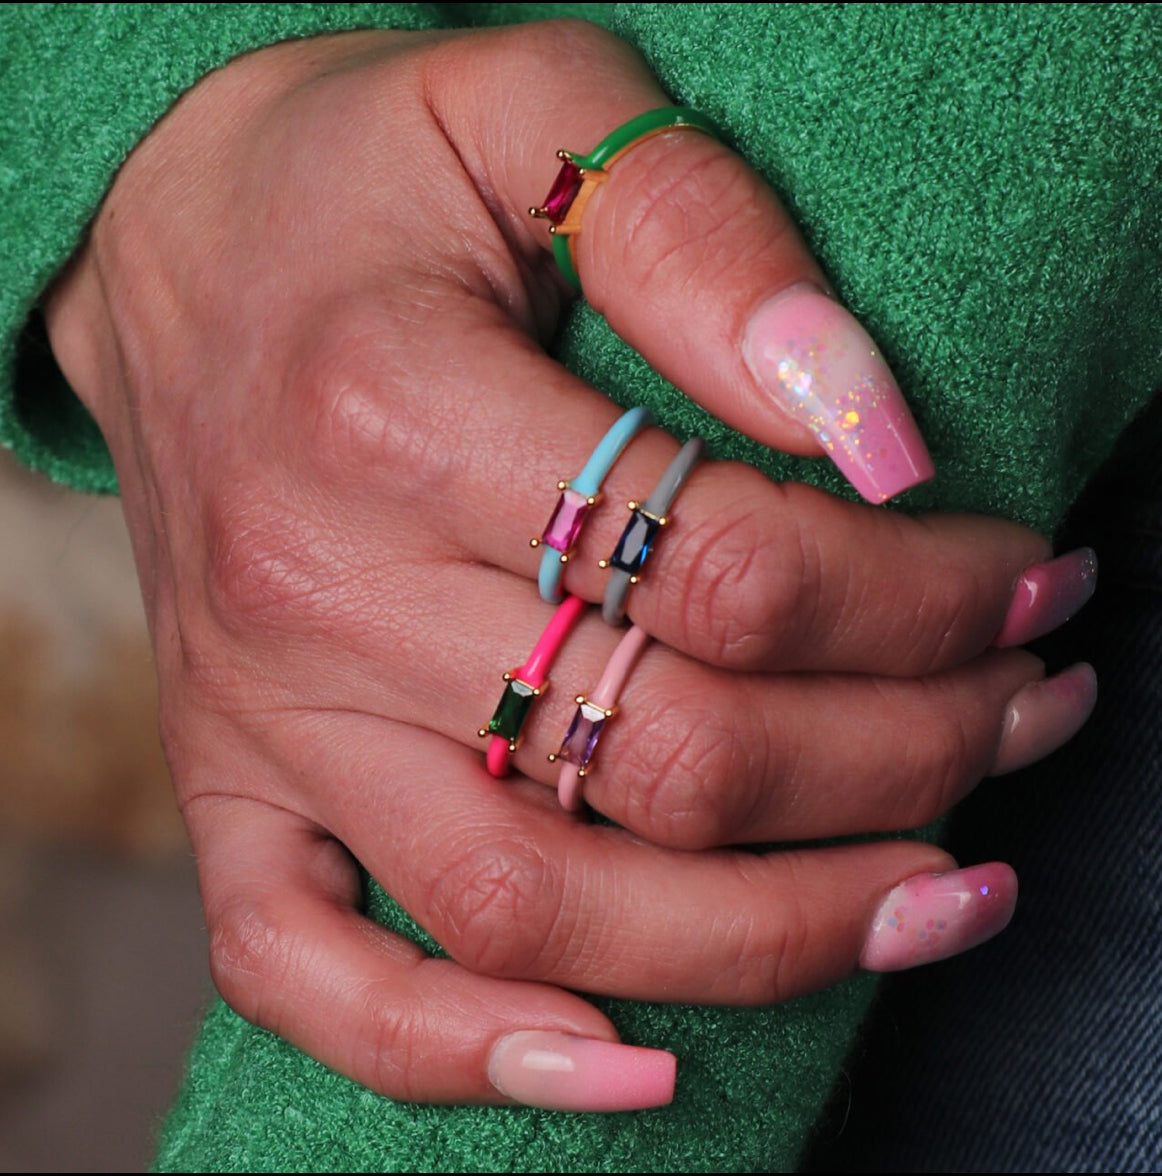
(822, 367)
(1043, 715)
(934, 916)
(1047, 595)
(561, 1072)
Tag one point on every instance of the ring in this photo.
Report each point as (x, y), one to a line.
(577, 497)
(580, 175)
(523, 686)
(591, 716)
(646, 520)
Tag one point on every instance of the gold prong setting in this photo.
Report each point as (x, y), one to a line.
(513, 709)
(636, 541)
(584, 731)
(564, 526)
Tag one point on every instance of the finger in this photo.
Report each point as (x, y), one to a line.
(749, 574)
(694, 261)
(811, 757)
(697, 757)
(291, 952)
(513, 887)
(757, 576)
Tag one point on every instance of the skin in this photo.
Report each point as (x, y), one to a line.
(310, 320)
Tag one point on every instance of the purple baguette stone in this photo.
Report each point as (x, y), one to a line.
(582, 736)
(565, 523)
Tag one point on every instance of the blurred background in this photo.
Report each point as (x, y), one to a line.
(103, 972)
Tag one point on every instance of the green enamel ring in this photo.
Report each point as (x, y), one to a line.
(580, 175)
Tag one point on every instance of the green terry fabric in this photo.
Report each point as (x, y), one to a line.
(981, 184)
(751, 1086)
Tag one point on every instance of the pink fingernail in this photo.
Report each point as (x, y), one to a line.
(561, 1072)
(822, 367)
(934, 916)
(1047, 595)
(1043, 715)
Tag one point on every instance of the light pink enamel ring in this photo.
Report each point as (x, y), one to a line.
(593, 711)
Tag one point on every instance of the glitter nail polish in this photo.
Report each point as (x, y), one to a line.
(1047, 595)
(818, 364)
(933, 916)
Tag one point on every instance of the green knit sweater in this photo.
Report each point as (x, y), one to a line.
(981, 183)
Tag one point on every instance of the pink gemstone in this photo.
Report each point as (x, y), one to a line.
(564, 526)
(561, 194)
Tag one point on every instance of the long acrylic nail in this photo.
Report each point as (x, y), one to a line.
(1047, 595)
(561, 1072)
(823, 368)
(934, 916)
(1043, 715)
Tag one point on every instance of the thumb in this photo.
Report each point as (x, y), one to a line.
(696, 264)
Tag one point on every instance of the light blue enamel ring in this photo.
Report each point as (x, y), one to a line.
(578, 496)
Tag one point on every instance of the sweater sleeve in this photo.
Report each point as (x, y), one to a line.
(80, 86)
(980, 182)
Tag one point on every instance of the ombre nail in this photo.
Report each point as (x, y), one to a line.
(934, 916)
(1047, 595)
(1043, 715)
(561, 1072)
(822, 367)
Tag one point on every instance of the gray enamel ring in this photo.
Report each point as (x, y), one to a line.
(641, 532)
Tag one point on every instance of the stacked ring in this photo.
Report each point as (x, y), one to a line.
(525, 685)
(589, 721)
(577, 497)
(646, 520)
(580, 175)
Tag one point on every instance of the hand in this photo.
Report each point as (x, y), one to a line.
(309, 320)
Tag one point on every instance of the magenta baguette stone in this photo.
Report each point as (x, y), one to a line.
(563, 192)
(581, 738)
(565, 524)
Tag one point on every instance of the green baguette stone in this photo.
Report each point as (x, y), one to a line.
(512, 710)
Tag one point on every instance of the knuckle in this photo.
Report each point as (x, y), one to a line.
(749, 589)
(722, 606)
(578, 42)
(349, 421)
(956, 624)
(391, 1033)
(952, 619)
(678, 769)
(498, 906)
(250, 958)
(789, 960)
(267, 564)
(940, 760)
(358, 426)
(768, 961)
(687, 222)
